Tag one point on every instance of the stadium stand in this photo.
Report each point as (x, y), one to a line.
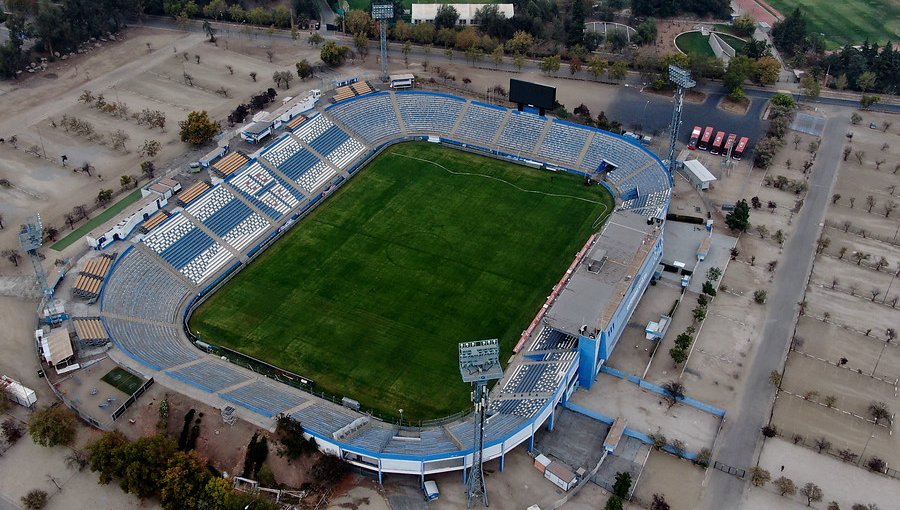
(268, 398)
(371, 117)
(90, 329)
(295, 123)
(429, 113)
(209, 375)
(229, 164)
(154, 221)
(191, 194)
(265, 190)
(142, 289)
(99, 267)
(228, 217)
(481, 123)
(142, 301)
(564, 142)
(522, 132)
(155, 345)
(187, 248)
(87, 286)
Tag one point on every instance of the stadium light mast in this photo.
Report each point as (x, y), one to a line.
(682, 80)
(383, 13)
(478, 364)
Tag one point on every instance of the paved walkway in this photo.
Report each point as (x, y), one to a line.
(741, 435)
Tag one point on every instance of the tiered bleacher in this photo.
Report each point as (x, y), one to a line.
(564, 142)
(90, 279)
(481, 123)
(228, 217)
(210, 375)
(140, 288)
(347, 91)
(433, 114)
(157, 346)
(330, 141)
(371, 117)
(187, 248)
(191, 194)
(551, 339)
(229, 164)
(429, 442)
(154, 221)
(296, 122)
(266, 190)
(90, 329)
(266, 397)
(522, 132)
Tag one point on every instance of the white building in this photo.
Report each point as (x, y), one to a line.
(425, 13)
(699, 176)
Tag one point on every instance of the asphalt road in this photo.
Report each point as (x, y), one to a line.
(741, 435)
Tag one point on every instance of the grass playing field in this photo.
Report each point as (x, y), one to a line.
(371, 293)
(695, 43)
(122, 379)
(848, 21)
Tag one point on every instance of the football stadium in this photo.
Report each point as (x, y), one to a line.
(330, 275)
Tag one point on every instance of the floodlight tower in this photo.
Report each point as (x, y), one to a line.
(383, 12)
(682, 80)
(31, 237)
(478, 364)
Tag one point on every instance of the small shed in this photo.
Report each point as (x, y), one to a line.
(560, 474)
(697, 174)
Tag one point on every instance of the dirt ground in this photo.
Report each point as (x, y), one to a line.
(844, 348)
(676, 479)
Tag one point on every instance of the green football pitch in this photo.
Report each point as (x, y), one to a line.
(848, 21)
(428, 247)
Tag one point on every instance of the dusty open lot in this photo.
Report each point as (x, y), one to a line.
(844, 354)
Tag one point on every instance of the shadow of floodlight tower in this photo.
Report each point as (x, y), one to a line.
(479, 363)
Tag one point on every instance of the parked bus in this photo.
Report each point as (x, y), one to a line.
(704, 141)
(741, 147)
(695, 137)
(716, 147)
(729, 144)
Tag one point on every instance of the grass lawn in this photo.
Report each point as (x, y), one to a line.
(848, 21)
(694, 43)
(96, 221)
(371, 293)
(123, 380)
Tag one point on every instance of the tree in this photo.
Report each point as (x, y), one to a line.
(822, 444)
(762, 230)
(329, 469)
(646, 32)
(790, 34)
(822, 244)
(282, 78)
(769, 431)
(597, 66)
(870, 202)
(446, 17)
(659, 503)
(52, 426)
(198, 129)
(674, 391)
(811, 492)
(879, 411)
(12, 430)
(315, 39)
(876, 464)
(810, 86)
(767, 70)
(739, 217)
(103, 455)
(13, 256)
(678, 354)
(550, 65)
(183, 482)
(141, 464)
(575, 24)
(841, 82)
(613, 503)
(775, 378)
(521, 42)
(150, 148)
(36, 499)
(618, 71)
(304, 69)
(148, 169)
(740, 68)
(759, 476)
(104, 197)
(332, 54)
(760, 296)
(867, 101)
(358, 21)
(855, 118)
(497, 56)
(622, 485)
(785, 486)
(866, 81)
(210, 31)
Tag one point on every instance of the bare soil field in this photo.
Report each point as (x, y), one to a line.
(844, 352)
(676, 479)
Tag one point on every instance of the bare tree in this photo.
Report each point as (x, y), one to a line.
(835, 198)
(889, 207)
(797, 141)
(852, 202)
(674, 391)
(822, 444)
(13, 256)
(870, 202)
(785, 486)
(843, 251)
(878, 164)
(811, 492)
(879, 411)
(859, 155)
(759, 476)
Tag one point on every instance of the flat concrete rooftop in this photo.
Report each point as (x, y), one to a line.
(600, 281)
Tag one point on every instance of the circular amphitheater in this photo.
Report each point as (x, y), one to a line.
(162, 275)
